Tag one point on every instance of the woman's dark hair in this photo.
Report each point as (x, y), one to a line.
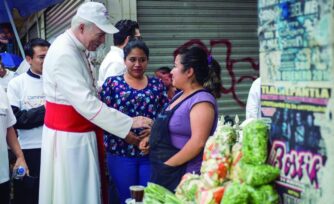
(136, 44)
(206, 69)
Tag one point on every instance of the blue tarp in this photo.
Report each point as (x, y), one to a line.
(10, 60)
(25, 7)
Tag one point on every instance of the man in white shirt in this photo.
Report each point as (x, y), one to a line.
(253, 106)
(5, 76)
(113, 63)
(8, 137)
(26, 97)
(72, 143)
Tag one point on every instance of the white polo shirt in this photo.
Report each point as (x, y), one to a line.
(253, 106)
(112, 65)
(7, 119)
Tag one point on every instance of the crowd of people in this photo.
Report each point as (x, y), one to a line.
(64, 124)
(151, 128)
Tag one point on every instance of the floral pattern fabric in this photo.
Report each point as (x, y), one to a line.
(148, 102)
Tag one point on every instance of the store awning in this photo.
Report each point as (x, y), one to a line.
(25, 8)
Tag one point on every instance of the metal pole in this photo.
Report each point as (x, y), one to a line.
(14, 28)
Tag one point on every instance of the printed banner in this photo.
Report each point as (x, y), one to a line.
(295, 40)
(296, 69)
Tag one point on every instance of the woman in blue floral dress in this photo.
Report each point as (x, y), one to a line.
(134, 94)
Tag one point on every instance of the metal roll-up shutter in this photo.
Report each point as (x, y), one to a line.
(166, 25)
(58, 18)
(33, 31)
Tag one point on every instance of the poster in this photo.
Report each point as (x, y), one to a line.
(296, 69)
(294, 40)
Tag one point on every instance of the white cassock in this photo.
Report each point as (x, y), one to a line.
(70, 171)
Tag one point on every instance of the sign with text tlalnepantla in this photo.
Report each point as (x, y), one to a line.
(296, 68)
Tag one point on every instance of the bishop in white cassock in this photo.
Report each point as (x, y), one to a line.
(70, 170)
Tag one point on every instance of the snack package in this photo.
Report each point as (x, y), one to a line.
(210, 196)
(257, 175)
(214, 171)
(255, 142)
(236, 161)
(263, 195)
(235, 193)
(216, 149)
(216, 162)
(190, 184)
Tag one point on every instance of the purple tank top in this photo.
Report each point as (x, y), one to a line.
(179, 125)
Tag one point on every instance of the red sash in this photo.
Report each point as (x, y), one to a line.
(66, 118)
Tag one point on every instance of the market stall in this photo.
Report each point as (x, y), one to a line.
(234, 170)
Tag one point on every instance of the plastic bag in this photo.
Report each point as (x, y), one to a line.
(236, 161)
(188, 187)
(263, 195)
(236, 193)
(211, 196)
(257, 175)
(255, 142)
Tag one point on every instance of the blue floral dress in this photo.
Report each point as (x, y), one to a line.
(148, 102)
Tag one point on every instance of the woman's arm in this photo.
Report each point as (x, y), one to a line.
(201, 120)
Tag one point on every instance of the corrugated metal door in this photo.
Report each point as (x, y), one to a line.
(33, 31)
(58, 18)
(227, 27)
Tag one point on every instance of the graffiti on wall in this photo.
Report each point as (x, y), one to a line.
(229, 64)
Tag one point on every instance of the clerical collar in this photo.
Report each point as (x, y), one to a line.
(30, 73)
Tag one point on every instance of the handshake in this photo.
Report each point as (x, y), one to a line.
(142, 140)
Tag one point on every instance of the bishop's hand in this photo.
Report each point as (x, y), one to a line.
(142, 122)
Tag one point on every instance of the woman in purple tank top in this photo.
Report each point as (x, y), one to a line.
(180, 132)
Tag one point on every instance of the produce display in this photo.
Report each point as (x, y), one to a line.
(155, 194)
(265, 194)
(257, 175)
(188, 187)
(210, 196)
(232, 172)
(236, 193)
(255, 142)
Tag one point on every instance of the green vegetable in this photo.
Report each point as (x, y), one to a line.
(172, 199)
(150, 199)
(263, 195)
(155, 193)
(256, 175)
(255, 142)
(235, 194)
